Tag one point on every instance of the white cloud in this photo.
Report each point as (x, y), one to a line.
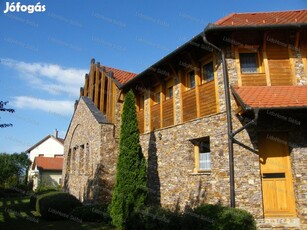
(52, 78)
(61, 108)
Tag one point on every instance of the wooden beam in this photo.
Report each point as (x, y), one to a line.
(237, 58)
(102, 87)
(265, 61)
(91, 81)
(198, 82)
(292, 65)
(297, 40)
(86, 85)
(182, 89)
(162, 99)
(216, 84)
(97, 80)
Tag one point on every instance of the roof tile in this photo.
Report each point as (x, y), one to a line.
(49, 163)
(272, 96)
(120, 75)
(264, 18)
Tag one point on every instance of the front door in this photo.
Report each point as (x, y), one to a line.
(277, 185)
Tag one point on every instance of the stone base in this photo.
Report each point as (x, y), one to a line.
(279, 223)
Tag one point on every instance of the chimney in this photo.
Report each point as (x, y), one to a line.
(56, 133)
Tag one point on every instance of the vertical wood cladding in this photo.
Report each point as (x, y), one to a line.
(155, 117)
(189, 110)
(207, 99)
(279, 60)
(168, 113)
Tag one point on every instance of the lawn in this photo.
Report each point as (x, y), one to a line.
(15, 213)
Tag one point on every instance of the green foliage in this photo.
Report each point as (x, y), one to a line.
(13, 168)
(3, 109)
(236, 219)
(215, 217)
(41, 196)
(92, 213)
(33, 198)
(57, 205)
(130, 191)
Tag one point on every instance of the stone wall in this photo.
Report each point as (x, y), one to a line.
(90, 152)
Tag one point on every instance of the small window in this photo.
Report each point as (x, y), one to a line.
(248, 62)
(191, 80)
(156, 95)
(157, 98)
(208, 72)
(140, 102)
(169, 92)
(202, 154)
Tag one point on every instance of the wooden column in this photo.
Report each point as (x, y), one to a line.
(102, 92)
(85, 93)
(96, 91)
(197, 83)
(91, 80)
(265, 61)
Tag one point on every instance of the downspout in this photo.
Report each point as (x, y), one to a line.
(229, 122)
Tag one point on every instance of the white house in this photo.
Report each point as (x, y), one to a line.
(47, 161)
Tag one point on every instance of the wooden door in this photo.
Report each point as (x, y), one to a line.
(277, 185)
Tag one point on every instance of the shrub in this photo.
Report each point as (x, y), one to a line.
(152, 218)
(56, 205)
(34, 197)
(236, 219)
(92, 213)
(202, 217)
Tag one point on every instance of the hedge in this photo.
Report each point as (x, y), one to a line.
(56, 205)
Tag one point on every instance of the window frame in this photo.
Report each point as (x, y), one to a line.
(259, 61)
(197, 154)
(203, 79)
(169, 85)
(188, 80)
(156, 95)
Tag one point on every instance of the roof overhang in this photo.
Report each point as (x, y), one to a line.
(270, 97)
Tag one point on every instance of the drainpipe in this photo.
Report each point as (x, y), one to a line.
(229, 122)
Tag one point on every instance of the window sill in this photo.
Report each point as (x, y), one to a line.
(200, 173)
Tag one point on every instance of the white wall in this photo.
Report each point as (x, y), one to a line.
(49, 148)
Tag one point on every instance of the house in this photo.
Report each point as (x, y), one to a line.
(47, 161)
(222, 119)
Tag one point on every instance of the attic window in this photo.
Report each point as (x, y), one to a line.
(248, 62)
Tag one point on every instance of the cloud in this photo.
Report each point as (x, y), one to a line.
(60, 108)
(52, 78)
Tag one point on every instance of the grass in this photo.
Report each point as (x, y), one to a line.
(15, 213)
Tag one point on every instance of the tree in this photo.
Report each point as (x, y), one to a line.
(2, 109)
(13, 168)
(130, 190)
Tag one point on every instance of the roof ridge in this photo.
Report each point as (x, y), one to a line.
(267, 12)
(119, 69)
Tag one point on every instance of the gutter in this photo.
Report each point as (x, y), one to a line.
(229, 121)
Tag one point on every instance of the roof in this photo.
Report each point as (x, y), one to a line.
(60, 140)
(120, 75)
(271, 97)
(48, 163)
(264, 18)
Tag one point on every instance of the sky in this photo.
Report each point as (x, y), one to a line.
(45, 54)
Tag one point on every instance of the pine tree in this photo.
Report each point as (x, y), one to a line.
(130, 192)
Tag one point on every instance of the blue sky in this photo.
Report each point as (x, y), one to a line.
(45, 55)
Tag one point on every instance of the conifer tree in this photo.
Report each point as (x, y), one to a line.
(130, 192)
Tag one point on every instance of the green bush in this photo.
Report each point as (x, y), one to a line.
(202, 217)
(236, 219)
(56, 205)
(152, 218)
(92, 213)
(34, 197)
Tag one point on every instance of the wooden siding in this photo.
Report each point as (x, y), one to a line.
(155, 117)
(168, 113)
(255, 79)
(189, 105)
(140, 117)
(207, 99)
(279, 65)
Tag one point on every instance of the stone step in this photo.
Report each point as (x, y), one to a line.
(279, 224)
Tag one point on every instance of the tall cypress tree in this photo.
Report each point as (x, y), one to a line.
(130, 191)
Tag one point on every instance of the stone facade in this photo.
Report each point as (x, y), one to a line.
(91, 148)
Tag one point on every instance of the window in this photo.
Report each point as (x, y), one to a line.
(141, 102)
(169, 89)
(208, 72)
(248, 62)
(191, 80)
(202, 154)
(157, 95)
(60, 181)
